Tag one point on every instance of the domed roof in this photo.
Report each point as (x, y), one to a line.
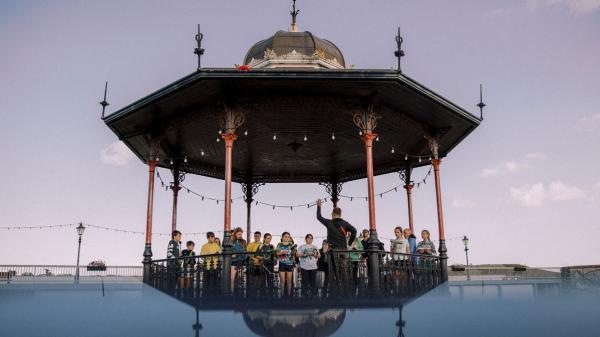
(297, 44)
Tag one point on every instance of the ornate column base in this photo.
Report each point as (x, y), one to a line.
(373, 261)
(147, 273)
(443, 261)
(226, 267)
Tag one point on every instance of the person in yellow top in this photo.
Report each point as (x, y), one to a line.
(210, 262)
(209, 248)
(254, 270)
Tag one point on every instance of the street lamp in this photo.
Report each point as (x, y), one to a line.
(465, 240)
(80, 230)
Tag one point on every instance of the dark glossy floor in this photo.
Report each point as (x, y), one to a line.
(479, 309)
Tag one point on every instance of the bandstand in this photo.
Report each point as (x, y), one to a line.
(293, 112)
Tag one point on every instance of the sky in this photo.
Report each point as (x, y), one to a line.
(524, 187)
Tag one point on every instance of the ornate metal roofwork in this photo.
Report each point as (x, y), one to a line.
(184, 119)
(290, 46)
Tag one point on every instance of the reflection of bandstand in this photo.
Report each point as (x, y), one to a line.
(291, 323)
(295, 113)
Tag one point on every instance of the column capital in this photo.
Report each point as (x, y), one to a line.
(229, 138)
(368, 137)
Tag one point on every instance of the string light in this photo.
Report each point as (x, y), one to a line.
(171, 162)
(377, 139)
(332, 136)
(305, 138)
(246, 133)
(202, 152)
(405, 157)
(220, 132)
(218, 139)
(393, 150)
(274, 206)
(274, 136)
(185, 158)
(419, 159)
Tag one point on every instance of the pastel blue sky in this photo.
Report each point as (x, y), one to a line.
(524, 186)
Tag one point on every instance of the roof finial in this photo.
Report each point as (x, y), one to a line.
(294, 13)
(399, 53)
(104, 103)
(481, 105)
(199, 50)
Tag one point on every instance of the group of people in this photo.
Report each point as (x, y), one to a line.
(258, 259)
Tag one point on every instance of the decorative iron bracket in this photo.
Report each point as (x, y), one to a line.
(250, 190)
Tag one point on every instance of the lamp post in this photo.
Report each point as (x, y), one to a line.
(80, 230)
(465, 240)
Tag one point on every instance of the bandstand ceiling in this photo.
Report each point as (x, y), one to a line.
(291, 104)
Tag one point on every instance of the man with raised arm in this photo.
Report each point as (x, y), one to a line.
(337, 229)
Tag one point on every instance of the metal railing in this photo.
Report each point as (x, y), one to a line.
(346, 277)
(66, 273)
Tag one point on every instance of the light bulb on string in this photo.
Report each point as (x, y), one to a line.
(419, 159)
(305, 138)
(332, 136)
(246, 133)
(393, 150)
(171, 162)
(220, 132)
(274, 136)
(429, 157)
(377, 139)
(157, 159)
(202, 152)
(360, 132)
(185, 159)
(218, 139)
(405, 157)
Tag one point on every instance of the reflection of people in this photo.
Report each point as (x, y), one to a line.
(305, 322)
(308, 255)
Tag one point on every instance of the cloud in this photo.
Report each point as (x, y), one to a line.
(529, 195)
(535, 156)
(536, 195)
(512, 166)
(506, 167)
(462, 203)
(497, 13)
(590, 123)
(575, 7)
(559, 191)
(116, 154)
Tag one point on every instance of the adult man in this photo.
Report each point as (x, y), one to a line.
(337, 229)
(210, 262)
(254, 270)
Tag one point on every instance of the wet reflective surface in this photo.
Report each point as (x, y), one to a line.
(501, 308)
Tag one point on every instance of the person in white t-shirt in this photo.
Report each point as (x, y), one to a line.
(308, 255)
(399, 246)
